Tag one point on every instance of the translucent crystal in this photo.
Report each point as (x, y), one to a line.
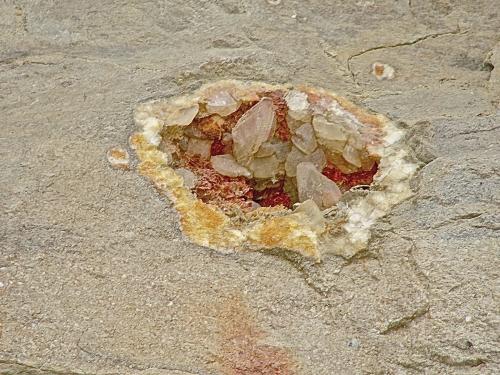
(266, 149)
(253, 129)
(311, 184)
(279, 149)
(297, 104)
(293, 124)
(296, 156)
(332, 146)
(304, 139)
(199, 147)
(182, 116)
(222, 103)
(328, 130)
(193, 132)
(264, 167)
(313, 214)
(227, 166)
(352, 155)
(188, 177)
(356, 141)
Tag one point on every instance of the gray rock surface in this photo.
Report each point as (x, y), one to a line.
(95, 276)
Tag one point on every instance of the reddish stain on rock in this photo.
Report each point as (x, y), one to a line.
(241, 353)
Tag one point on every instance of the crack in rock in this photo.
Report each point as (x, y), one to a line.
(30, 369)
(404, 321)
(401, 44)
(452, 362)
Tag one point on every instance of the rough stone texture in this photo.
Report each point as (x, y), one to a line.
(95, 275)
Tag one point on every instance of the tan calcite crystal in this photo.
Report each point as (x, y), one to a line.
(306, 229)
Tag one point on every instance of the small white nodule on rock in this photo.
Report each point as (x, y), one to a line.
(298, 105)
(118, 158)
(311, 184)
(382, 71)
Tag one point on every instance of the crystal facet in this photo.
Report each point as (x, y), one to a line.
(253, 129)
(311, 184)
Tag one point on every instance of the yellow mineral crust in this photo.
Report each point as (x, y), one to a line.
(348, 230)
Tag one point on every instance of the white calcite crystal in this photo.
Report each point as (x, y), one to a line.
(252, 130)
(222, 103)
(182, 116)
(304, 139)
(152, 128)
(264, 167)
(351, 155)
(327, 130)
(317, 158)
(199, 147)
(298, 105)
(279, 149)
(311, 184)
(312, 213)
(227, 166)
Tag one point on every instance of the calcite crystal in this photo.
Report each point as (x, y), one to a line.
(252, 166)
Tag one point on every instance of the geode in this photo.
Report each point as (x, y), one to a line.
(253, 166)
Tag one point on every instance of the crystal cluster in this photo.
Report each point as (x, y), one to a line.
(259, 157)
(276, 148)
